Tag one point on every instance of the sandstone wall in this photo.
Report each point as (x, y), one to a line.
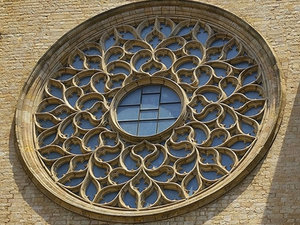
(269, 195)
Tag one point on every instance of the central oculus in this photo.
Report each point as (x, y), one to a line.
(148, 110)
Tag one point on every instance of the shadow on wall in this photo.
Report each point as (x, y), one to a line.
(283, 204)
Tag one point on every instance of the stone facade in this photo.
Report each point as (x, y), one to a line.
(269, 194)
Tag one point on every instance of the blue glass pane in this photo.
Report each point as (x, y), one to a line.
(236, 104)
(220, 72)
(214, 56)
(151, 89)
(185, 30)
(91, 191)
(186, 65)
(233, 52)
(165, 29)
(99, 85)
(133, 98)
(94, 65)
(130, 163)
(226, 161)
(119, 69)
(109, 141)
(52, 155)
(247, 128)
(198, 107)
(166, 60)
(99, 172)
(146, 31)
(187, 167)
(162, 177)
(116, 83)
(151, 199)
(207, 158)
(174, 46)
(74, 181)
(253, 111)
(169, 110)
(141, 61)
(218, 140)
(211, 175)
(152, 70)
(242, 65)
(89, 103)
(211, 96)
(108, 197)
(64, 76)
(72, 99)
(168, 96)
(62, 170)
(219, 42)
(149, 114)
(192, 186)
(147, 128)
(127, 35)
(77, 62)
(86, 124)
(202, 36)
(195, 52)
(200, 135)
(50, 107)
(84, 81)
(135, 49)
(69, 130)
(229, 89)
(129, 127)
(93, 141)
(211, 116)
(228, 120)
(186, 79)
(92, 51)
(144, 152)
(80, 165)
(180, 152)
(46, 123)
(171, 194)
(253, 94)
(240, 145)
(203, 78)
(109, 156)
(98, 113)
(182, 137)
(155, 41)
(109, 42)
(128, 113)
(164, 124)
(113, 57)
(142, 185)
(129, 200)
(157, 162)
(150, 101)
(55, 91)
(249, 78)
(121, 178)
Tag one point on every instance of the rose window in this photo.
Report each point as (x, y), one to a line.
(151, 113)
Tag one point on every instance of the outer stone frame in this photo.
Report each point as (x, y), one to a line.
(31, 96)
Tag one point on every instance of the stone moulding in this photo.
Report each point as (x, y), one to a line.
(86, 53)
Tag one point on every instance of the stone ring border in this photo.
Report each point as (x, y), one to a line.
(29, 100)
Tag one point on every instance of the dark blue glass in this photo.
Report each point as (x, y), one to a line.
(147, 128)
(211, 175)
(74, 181)
(166, 60)
(91, 191)
(207, 158)
(126, 113)
(192, 185)
(174, 46)
(99, 172)
(171, 194)
(108, 197)
(62, 170)
(200, 135)
(149, 114)
(155, 41)
(163, 177)
(146, 30)
(130, 127)
(253, 111)
(228, 120)
(202, 36)
(233, 52)
(129, 200)
(226, 161)
(218, 140)
(240, 145)
(150, 101)
(247, 128)
(48, 139)
(133, 98)
(77, 62)
(164, 124)
(168, 96)
(250, 78)
(52, 155)
(220, 72)
(180, 152)
(99, 85)
(114, 57)
(165, 29)
(195, 52)
(151, 199)
(169, 110)
(92, 51)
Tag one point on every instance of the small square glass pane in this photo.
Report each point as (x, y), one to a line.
(128, 113)
(148, 114)
(150, 101)
(151, 89)
(133, 98)
(129, 127)
(164, 124)
(169, 110)
(168, 96)
(147, 128)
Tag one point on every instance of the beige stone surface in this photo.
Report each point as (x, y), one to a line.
(269, 195)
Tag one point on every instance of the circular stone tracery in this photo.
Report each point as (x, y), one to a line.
(191, 96)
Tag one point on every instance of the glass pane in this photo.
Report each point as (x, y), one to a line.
(164, 124)
(149, 114)
(151, 89)
(169, 110)
(150, 101)
(132, 98)
(129, 127)
(147, 128)
(128, 113)
(167, 96)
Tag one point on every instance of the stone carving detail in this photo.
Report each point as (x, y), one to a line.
(87, 156)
